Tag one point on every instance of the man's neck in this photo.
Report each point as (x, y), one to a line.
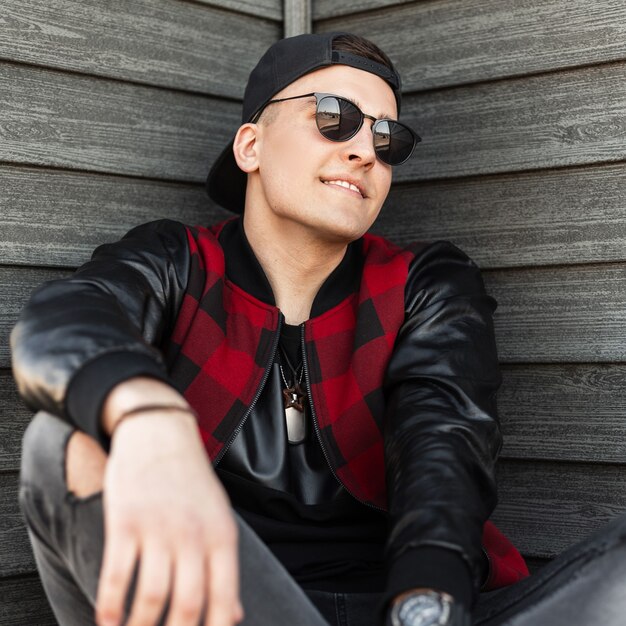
(295, 262)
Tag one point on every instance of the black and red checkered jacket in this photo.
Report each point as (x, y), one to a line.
(401, 374)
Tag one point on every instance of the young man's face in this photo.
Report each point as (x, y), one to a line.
(299, 170)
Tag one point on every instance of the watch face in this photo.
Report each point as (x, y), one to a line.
(421, 610)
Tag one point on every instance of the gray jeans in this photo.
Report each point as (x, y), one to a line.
(585, 585)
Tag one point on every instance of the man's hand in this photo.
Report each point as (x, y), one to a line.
(164, 507)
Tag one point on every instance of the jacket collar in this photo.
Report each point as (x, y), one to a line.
(244, 269)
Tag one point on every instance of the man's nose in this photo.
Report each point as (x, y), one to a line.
(361, 146)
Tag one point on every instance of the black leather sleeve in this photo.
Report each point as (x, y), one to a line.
(442, 435)
(80, 336)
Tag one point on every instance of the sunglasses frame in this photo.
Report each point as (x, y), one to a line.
(319, 96)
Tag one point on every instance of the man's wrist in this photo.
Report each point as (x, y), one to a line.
(138, 395)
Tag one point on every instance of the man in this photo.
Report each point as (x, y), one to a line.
(343, 388)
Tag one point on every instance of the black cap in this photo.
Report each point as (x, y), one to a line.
(282, 64)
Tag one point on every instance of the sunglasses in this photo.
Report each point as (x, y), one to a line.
(339, 119)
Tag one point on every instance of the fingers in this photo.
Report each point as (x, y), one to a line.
(193, 586)
(224, 608)
(153, 585)
(188, 591)
(118, 563)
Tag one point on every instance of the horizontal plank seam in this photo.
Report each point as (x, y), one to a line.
(138, 83)
(273, 20)
(513, 77)
(524, 170)
(53, 168)
(552, 266)
(359, 13)
(560, 460)
(21, 576)
(526, 363)
(592, 364)
(24, 266)
(504, 174)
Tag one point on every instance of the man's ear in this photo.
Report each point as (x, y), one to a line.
(246, 147)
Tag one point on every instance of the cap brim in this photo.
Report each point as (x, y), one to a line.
(226, 183)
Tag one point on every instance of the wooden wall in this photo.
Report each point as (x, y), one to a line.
(110, 115)
(111, 112)
(522, 110)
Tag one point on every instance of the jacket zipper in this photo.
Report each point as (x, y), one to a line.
(257, 395)
(317, 428)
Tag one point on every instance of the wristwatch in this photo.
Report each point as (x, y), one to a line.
(428, 608)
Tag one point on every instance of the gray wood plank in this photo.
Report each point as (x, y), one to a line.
(326, 9)
(16, 285)
(56, 119)
(16, 555)
(297, 17)
(451, 42)
(546, 507)
(181, 45)
(24, 603)
(565, 118)
(57, 218)
(547, 412)
(564, 216)
(564, 412)
(50, 118)
(14, 417)
(545, 315)
(271, 9)
(560, 314)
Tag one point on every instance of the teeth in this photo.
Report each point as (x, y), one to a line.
(343, 183)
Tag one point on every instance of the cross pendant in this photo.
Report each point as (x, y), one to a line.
(293, 397)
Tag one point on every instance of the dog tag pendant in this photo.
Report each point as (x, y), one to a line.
(295, 414)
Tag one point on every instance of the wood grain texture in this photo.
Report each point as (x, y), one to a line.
(551, 315)
(173, 44)
(57, 218)
(545, 315)
(297, 17)
(271, 9)
(564, 216)
(14, 417)
(325, 9)
(547, 412)
(54, 119)
(16, 555)
(24, 603)
(546, 507)
(566, 118)
(64, 120)
(16, 285)
(564, 412)
(452, 42)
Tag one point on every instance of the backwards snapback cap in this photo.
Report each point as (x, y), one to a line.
(282, 64)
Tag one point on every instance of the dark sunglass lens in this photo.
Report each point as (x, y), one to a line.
(393, 142)
(337, 119)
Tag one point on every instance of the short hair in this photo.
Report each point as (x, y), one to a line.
(354, 44)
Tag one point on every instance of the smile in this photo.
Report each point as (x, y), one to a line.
(345, 185)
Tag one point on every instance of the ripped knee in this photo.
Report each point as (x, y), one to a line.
(85, 462)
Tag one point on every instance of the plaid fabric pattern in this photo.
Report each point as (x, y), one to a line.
(223, 342)
(347, 350)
